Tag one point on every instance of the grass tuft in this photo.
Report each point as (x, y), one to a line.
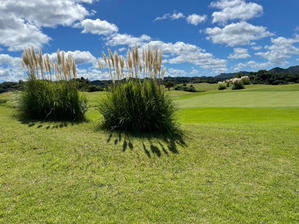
(132, 104)
(138, 106)
(222, 86)
(48, 100)
(238, 85)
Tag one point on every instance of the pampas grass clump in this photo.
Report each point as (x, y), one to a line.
(136, 102)
(43, 97)
(237, 84)
(222, 85)
(137, 106)
(46, 100)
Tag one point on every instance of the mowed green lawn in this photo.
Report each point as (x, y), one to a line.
(239, 164)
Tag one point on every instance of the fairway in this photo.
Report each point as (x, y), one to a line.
(238, 163)
(252, 97)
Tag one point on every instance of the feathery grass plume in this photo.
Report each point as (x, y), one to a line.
(137, 103)
(65, 67)
(150, 65)
(39, 61)
(140, 67)
(144, 60)
(100, 64)
(237, 84)
(163, 73)
(58, 57)
(23, 64)
(46, 63)
(116, 65)
(111, 57)
(136, 61)
(45, 99)
(104, 57)
(122, 65)
(110, 70)
(156, 63)
(160, 61)
(74, 69)
(26, 62)
(33, 58)
(221, 86)
(56, 73)
(130, 64)
(62, 58)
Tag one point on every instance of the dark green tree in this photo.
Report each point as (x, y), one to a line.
(168, 84)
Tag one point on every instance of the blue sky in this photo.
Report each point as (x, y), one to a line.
(198, 37)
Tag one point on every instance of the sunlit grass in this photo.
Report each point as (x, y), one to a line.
(238, 165)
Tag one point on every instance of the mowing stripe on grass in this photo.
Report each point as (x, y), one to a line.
(239, 115)
(243, 99)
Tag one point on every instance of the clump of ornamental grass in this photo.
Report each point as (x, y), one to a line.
(237, 84)
(222, 85)
(136, 102)
(50, 95)
(245, 80)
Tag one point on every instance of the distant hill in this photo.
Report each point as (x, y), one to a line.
(290, 70)
(294, 69)
(277, 70)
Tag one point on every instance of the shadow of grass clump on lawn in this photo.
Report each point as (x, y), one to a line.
(151, 143)
(46, 124)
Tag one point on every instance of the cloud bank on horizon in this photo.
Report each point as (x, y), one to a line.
(197, 37)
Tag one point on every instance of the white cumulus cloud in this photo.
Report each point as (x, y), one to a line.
(252, 65)
(239, 53)
(172, 16)
(235, 9)
(21, 21)
(126, 39)
(256, 48)
(10, 68)
(80, 57)
(16, 34)
(281, 49)
(180, 52)
(100, 27)
(241, 33)
(194, 71)
(173, 53)
(175, 72)
(196, 19)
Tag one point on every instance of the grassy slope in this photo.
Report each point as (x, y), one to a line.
(240, 165)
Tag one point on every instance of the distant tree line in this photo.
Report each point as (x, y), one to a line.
(201, 79)
(86, 86)
(82, 84)
(271, 78)
(11, 86)
(260, 77)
